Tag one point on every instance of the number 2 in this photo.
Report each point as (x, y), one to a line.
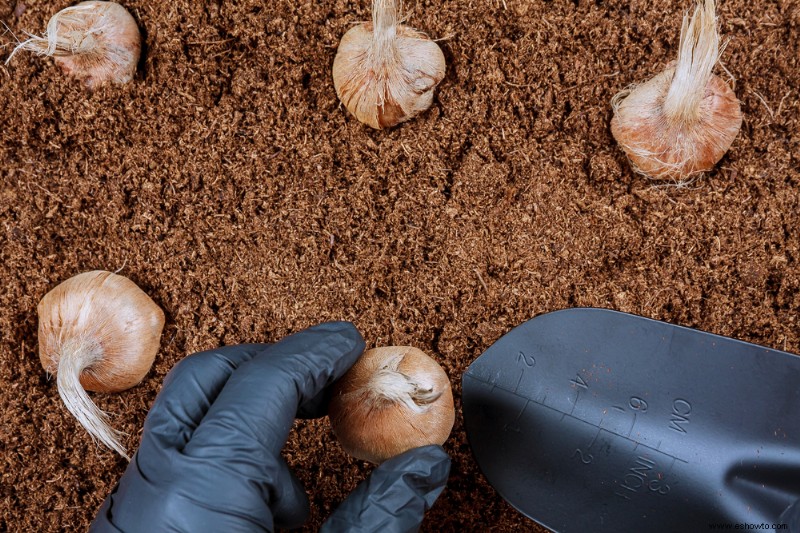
(526, 360)
(585, 459)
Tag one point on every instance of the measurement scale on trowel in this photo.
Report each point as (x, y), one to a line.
(595, 420)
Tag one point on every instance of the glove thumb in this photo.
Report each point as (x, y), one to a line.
(396, 495)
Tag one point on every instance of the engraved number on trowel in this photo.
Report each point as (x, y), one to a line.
(586, 458)
(638, 404)
(579, 382)
(525, 361)
(652, 469)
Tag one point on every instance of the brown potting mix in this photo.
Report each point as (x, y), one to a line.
(227, 181)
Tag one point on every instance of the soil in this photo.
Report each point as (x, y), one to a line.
(228, 182)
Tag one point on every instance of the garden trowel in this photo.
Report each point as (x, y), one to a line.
(595, 420)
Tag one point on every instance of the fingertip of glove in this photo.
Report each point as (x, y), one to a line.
(340, 341)
(346, 330)
(433, 452)
(398, 492)
(430, 464)
(222, 360)
(430, 454)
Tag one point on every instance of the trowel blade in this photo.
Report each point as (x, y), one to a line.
(596, 420)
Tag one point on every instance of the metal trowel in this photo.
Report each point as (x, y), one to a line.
(595, 420)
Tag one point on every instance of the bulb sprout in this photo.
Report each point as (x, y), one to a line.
(385, 15)
(390, 385)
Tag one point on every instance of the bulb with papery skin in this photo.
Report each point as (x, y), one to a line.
(682, 121)
(384, 72)
(97, 42)
(393, 399)
(100, 332)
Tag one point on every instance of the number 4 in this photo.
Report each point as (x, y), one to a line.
(579, 382)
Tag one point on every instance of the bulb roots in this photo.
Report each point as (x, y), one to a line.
(75, 358)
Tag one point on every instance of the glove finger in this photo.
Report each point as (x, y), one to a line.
(188, 391)
(396, 495)
(255, 410)
(289, 503)
(193, 499)
(317, 406)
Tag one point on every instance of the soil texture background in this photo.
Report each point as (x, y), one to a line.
(227, 182)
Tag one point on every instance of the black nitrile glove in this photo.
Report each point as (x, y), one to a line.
(791, 517)
(210, 458)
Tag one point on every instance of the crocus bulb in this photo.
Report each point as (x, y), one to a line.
(98, 331)
(392, 400)
(682, 121)
(97, 42)
(384, 72)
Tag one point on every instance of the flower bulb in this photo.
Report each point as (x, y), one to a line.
(682, 121)
(393, 399)
(100, 332)
(384, 72)
(97, 42)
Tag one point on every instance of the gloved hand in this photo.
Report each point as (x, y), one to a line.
(210, 458)
(791, 517)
